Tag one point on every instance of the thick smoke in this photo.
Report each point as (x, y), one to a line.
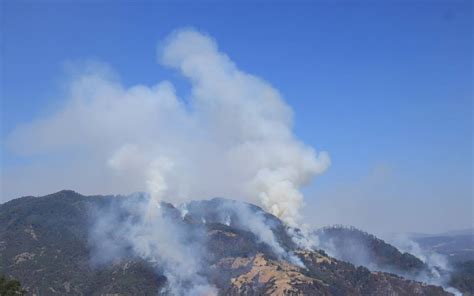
(242, 216)
(439, 271)
(232, 137)
(131, 227)
(255, 223)
(362, 249)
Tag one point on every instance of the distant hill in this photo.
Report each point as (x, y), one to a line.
(45, 242)
(458, 246)
(363, 249)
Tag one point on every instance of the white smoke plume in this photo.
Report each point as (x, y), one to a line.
(130, 227)
(347, 243)
(432, 259)
(439, 267)
(304, 237)
(243, 216)
(233, 137)
(255, 223)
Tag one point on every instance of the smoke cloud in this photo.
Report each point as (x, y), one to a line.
(127, 228)
(255, 223)
(362, 249)
(242, 216)
(232, 137)
(439, 271)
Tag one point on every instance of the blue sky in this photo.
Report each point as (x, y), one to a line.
(385, 87)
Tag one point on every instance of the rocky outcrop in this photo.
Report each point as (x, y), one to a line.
(323, 275)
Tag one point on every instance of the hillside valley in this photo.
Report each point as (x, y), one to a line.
(69, 244)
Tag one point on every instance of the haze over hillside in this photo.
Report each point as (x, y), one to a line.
(66, 243)
(236, 148)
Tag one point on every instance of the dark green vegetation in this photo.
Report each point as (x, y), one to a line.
(361, 248)
(463, 277)
(10, 287)
(45, 243)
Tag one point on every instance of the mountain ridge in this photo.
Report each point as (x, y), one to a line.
(45, 242)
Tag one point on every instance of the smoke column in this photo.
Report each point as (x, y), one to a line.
(244, 123)
(232, 137)
(128, 228)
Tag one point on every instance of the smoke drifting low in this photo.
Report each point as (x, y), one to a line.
(245, 217)
(402, 256)
(439, 269)
(130, 228)
(232, 138)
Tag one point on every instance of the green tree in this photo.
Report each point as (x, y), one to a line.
(10, 287)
